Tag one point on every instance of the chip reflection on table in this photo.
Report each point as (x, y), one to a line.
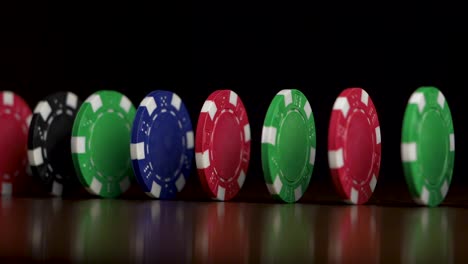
(354, 235)
(287, 234)
(428, 236)
(222, 233)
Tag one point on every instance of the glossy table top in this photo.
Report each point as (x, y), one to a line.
(180, 231)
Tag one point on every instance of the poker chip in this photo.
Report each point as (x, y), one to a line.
(354, 146)
(162, 144)
(100, 143)
(15, 116)
(49, 141)
(428, 146)
(222, 145)
(288, 145)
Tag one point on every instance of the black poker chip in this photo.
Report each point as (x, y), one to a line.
(49, 138)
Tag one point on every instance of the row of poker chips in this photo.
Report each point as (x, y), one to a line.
(112, 142)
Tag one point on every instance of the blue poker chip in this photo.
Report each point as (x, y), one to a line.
(162, 144)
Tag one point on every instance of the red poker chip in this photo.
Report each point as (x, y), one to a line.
(15, 116)
(222, 145)
(354, 145)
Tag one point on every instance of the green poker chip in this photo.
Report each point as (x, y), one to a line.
(428, 146)
(288, 145)
(100, 143)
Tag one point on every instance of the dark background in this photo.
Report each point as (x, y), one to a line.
(253, 49)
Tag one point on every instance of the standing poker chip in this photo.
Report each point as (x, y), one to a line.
(49, 141)
(354, 148)
(100, 140)
(288, 145)
(428, 146)
(15, 116)
(222, 145)
(162, 144)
